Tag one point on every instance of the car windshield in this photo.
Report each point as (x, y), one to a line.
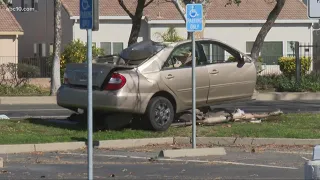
(141, 50)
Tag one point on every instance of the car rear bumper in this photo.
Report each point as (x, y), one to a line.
(105, 101)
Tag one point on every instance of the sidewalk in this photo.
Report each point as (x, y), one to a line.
(272, 96)
(10, 100)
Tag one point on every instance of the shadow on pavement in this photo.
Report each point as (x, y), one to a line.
(63, 124)
(79, 123)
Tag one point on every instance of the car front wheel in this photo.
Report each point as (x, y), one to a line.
(159, 114)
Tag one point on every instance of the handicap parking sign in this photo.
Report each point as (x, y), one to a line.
(86, 16)
(194, 17)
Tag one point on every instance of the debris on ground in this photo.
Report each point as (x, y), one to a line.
(204, 116)
(223, 116)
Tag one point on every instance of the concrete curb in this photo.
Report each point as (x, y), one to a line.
(59, 146)
(287, 96)
(27, 148)
(272, 96)
(174, 153)
(127, 143)
(246, 141)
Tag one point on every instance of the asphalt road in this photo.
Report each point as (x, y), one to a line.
(130, 164)
(54, 111)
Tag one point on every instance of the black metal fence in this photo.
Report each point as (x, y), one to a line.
(41, 65)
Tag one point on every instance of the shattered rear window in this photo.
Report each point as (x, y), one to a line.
(141, 50)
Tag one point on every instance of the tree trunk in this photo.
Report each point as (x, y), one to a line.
(257, 45)
(189, 35)
(200, 34)
(55, 78)
(177, 4)
(136, 24)
(205, 4)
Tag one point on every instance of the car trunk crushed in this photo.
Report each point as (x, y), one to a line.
(110, 75)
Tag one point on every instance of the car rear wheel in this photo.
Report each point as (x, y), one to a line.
(159, 114)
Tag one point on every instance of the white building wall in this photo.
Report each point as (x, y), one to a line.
(111, 31)
(162, 28)
(237, 35)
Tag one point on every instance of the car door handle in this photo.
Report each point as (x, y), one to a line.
(214, 71)
(169, 76)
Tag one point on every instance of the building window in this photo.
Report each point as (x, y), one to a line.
(111, 48)
(35, 4)
(51, 49)
(270, 51)
(249, 46)
(44, 52)
(40, 50)
(106, 47)
(30, 4)
(35, 49)
(117, 47)
(290, 48)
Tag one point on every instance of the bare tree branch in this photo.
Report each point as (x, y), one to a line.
(179, 8)
(148, 3)
(266, 28)
(125, 8)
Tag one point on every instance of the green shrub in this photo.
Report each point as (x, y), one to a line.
(171, 35)
(309, 83)
(28, 71)
(267, 82)
(23, 90)
(288, 65)
(14, 75)
(76, 52)
(282, 83)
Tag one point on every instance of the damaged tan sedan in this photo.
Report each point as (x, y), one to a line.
(153, 80)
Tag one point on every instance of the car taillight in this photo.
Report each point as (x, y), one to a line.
(116, 82)
(65, 79)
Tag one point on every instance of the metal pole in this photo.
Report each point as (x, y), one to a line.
(193, 92)
(89, 57)
(298, 63)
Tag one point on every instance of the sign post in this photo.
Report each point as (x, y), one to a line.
(194, 15)
(89, 19)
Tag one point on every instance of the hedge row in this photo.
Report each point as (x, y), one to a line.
(282, 83)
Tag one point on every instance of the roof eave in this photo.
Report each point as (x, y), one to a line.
(5, 33)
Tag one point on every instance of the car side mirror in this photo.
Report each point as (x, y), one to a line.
(241, 61)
